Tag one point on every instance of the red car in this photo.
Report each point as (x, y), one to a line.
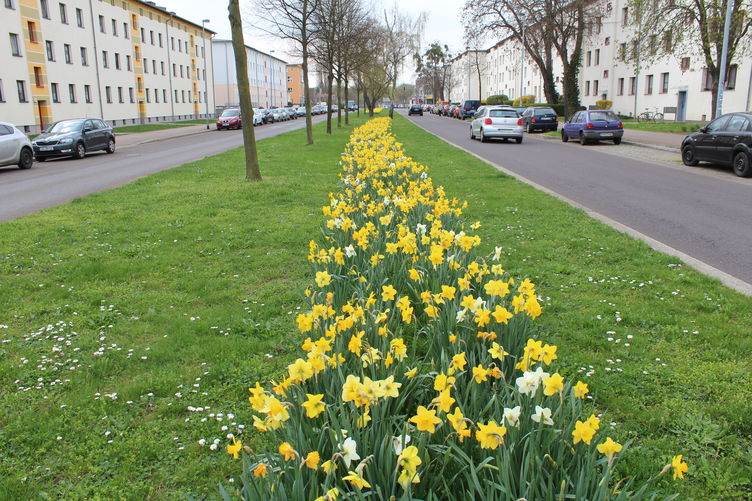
(230, 119)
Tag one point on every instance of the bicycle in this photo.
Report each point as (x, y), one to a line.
(650, 115)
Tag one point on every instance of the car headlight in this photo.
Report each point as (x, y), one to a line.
(66, 140)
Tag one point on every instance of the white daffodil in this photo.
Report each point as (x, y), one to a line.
(497, 254)
(348, 450)
(528, 383)
(540, 374)
(512, 416)
(400, 443)
(420, 229)
(543, 415)
(461, 315)
(350, 251)
(479, 303)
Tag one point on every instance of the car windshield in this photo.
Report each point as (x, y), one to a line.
(66, 126)
(544, 111)
(231, 113)
(603, 116)
(503, 113)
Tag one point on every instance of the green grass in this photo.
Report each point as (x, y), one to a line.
(129, 129)
(675, 127)
(598, 284)
(203, 272)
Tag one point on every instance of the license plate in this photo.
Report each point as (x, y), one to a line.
(46, 148)
(548, 119)
(607, 134)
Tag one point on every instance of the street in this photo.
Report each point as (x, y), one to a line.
(703, 212)
(56, 181)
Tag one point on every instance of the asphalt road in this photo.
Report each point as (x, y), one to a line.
(704, 212)
(56, 181)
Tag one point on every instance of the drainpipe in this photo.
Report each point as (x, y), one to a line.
(169, 66)
(96, 60)
(749, 90)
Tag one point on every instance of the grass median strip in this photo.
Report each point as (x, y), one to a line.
(666, 349)
(134, 320)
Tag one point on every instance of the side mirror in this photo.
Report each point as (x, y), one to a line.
(87, 129)
(704, 129)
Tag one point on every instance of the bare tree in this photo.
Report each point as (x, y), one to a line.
(293, 20)
(663, 26)
(327, 20)
(475, 61)
(402, 39)
(252, 171)
(374, 81)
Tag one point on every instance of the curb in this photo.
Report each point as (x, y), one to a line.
(154, 140)
(631, 143)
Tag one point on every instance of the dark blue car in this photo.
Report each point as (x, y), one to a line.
(593, 125)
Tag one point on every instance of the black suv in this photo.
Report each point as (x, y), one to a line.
(468, 108)
(415, 109)
(73, 138)
(540, 118)
(727, 140)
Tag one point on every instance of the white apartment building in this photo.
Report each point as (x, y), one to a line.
(670, 80)
(126, 61)
(267, 77)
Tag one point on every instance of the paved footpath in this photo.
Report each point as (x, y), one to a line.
(650, 138)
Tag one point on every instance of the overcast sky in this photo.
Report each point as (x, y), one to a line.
(443, 25)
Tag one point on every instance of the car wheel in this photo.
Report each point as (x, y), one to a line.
(617, 140)
(529, 129)
(518, 139)
(482, 136)
(110, 146)
(79, 151)
(583, 140)
(472, 136)
(742, 165)
(688, 156)
(564, 137)
(40, 159)
(26, 159)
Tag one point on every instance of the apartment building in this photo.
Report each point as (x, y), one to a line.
(267, 77)
(654, 74)
(126, 61)
(295, 92)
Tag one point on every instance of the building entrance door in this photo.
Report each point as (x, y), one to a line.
(681, 106)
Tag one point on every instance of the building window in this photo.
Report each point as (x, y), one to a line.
(128, 62)
(176, 95)
(84, 57)
(120, 94)
(55, 93)
(607, 41)
(108, 94)
(181, 71)
(38, 81)
(146, 66)
(147, 95)
(154, 66)
(67, 54)
(587, 88)
(101, 24)
(105, 62)
(632, 86)
(731, 77)
(684, 63)
(9, 4)
(653, 44)
(668, 42)
(151, 36)
(164, 95)
(598, 25)
(45, 9)
(50, 50)
(21, 86)
(172, 42)
(117, 60)
(707, 80)
(605, 73)
(174, 70)
(79, 18)
(620, 87)
(648, 85)
(125, 30)
(130, 94)
(588, 58)
(182, 95)
(63, 14)
(143, 37)
(664, 83)
(162, 65)
(160, 39)
(32, 31)
(595, 87)
(15, 48)
(72, 92)
(624, 16)
(622, 52)
(156, 95)
(597, 57)
(114, 28)
(87, 93)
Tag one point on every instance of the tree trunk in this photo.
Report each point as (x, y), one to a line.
(357, 96)
(306, 84)
(391, 98)
(549, 88)
(339, 103)
(252, 170)
(347, 102)
(329, 83)
(571, 88)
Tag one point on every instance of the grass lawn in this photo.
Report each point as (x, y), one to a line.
(129, 129)
(178, 291)
(666, 349)
(675, 127)
(122, 309)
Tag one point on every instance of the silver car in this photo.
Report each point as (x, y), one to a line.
(496, 121)
(15, 147)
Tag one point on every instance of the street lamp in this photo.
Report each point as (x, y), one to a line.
(206, 84)
(271, 71)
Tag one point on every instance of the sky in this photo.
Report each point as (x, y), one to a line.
(443, 23)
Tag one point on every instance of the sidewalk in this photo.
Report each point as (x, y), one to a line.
(660, 140)
(134, 138)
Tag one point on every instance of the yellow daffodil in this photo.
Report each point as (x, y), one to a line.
(583, 432)
(287, 451)
(425, 420)
(323, 278)
(388, 292)
(553, 384)
(609, 448)
(491, 435)
(480, 374)
(312, 460)
(314, 406)
(580, 389)
(261, 470)
(357, 480)
(234, 448)
(680, 467)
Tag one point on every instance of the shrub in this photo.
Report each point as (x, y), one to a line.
(497, 99)
(604, 104)
(422, 376)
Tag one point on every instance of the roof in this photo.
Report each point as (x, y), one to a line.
(218, 41)
(162, 10)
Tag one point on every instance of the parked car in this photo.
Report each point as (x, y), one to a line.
(445, 110)
(73, 138)
(258, 118)
(468, 108)
(519, 109)
(301, 111)
(496, 121)
(415, 109)
(593, 125)
(727, 140)
(230, 119)
(540, 118)
(15, 147)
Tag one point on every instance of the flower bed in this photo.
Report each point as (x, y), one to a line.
(423, 376)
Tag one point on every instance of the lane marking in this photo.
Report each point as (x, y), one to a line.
(701, 266)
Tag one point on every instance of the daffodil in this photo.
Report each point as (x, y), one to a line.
(234, 448)
(512, 416)
(323, 278)
(583, 432)
(497, 351)
(580, 389)
(287, 451)
(542, 415)
(261, 470)
(425, 420)
(680, 467)
(348, 451)
(491, 435)
(609, 448)
(312, 460)
(314, 406)
(553, 384)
